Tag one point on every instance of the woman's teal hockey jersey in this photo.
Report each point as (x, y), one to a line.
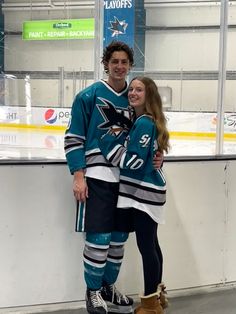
(95, 110)
(141, 186)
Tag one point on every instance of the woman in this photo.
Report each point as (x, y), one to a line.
(142, 190)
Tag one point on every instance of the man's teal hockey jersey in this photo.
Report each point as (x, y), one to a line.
(141, 186)
(95, 110)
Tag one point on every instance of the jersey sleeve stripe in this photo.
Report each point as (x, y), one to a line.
(116, 154)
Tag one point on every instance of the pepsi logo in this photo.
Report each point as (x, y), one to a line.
(50, 116)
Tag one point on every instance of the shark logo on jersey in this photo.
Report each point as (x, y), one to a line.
(115, 120)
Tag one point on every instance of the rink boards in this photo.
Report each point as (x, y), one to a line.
(39, 132)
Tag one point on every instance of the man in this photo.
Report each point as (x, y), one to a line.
(95, 110)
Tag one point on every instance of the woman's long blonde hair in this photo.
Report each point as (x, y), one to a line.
(153, 107)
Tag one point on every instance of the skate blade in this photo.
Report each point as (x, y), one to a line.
(120, 309)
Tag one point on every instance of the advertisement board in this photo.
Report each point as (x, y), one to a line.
(58, 29)
(186, 123)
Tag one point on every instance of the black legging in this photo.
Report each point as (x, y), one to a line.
(147, 241)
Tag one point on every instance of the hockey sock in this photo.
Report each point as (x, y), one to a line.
(95, 257)
(115, 256)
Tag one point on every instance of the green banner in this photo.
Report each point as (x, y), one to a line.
(58, 29)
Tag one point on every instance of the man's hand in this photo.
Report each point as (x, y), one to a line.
(158, 160)
(80, 187)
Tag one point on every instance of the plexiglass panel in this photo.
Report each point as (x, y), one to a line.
(182, 53)
(229, 139)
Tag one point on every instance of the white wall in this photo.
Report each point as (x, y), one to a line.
(72, 55)
(190, 50)
(41, 255)
(46, 55)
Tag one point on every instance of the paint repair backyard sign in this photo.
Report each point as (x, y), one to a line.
(58, 29)
(119, 18)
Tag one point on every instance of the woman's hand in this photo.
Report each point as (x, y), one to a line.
(80, 187)
(158, 160)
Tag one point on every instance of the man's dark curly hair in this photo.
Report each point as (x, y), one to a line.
(116, 46)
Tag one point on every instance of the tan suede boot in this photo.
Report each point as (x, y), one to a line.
(163, 295)
(150, 304)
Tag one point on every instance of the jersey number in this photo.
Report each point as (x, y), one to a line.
(135, 162)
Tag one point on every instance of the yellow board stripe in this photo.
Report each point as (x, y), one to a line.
(173, 134)
(207, 135)
(31, 126)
